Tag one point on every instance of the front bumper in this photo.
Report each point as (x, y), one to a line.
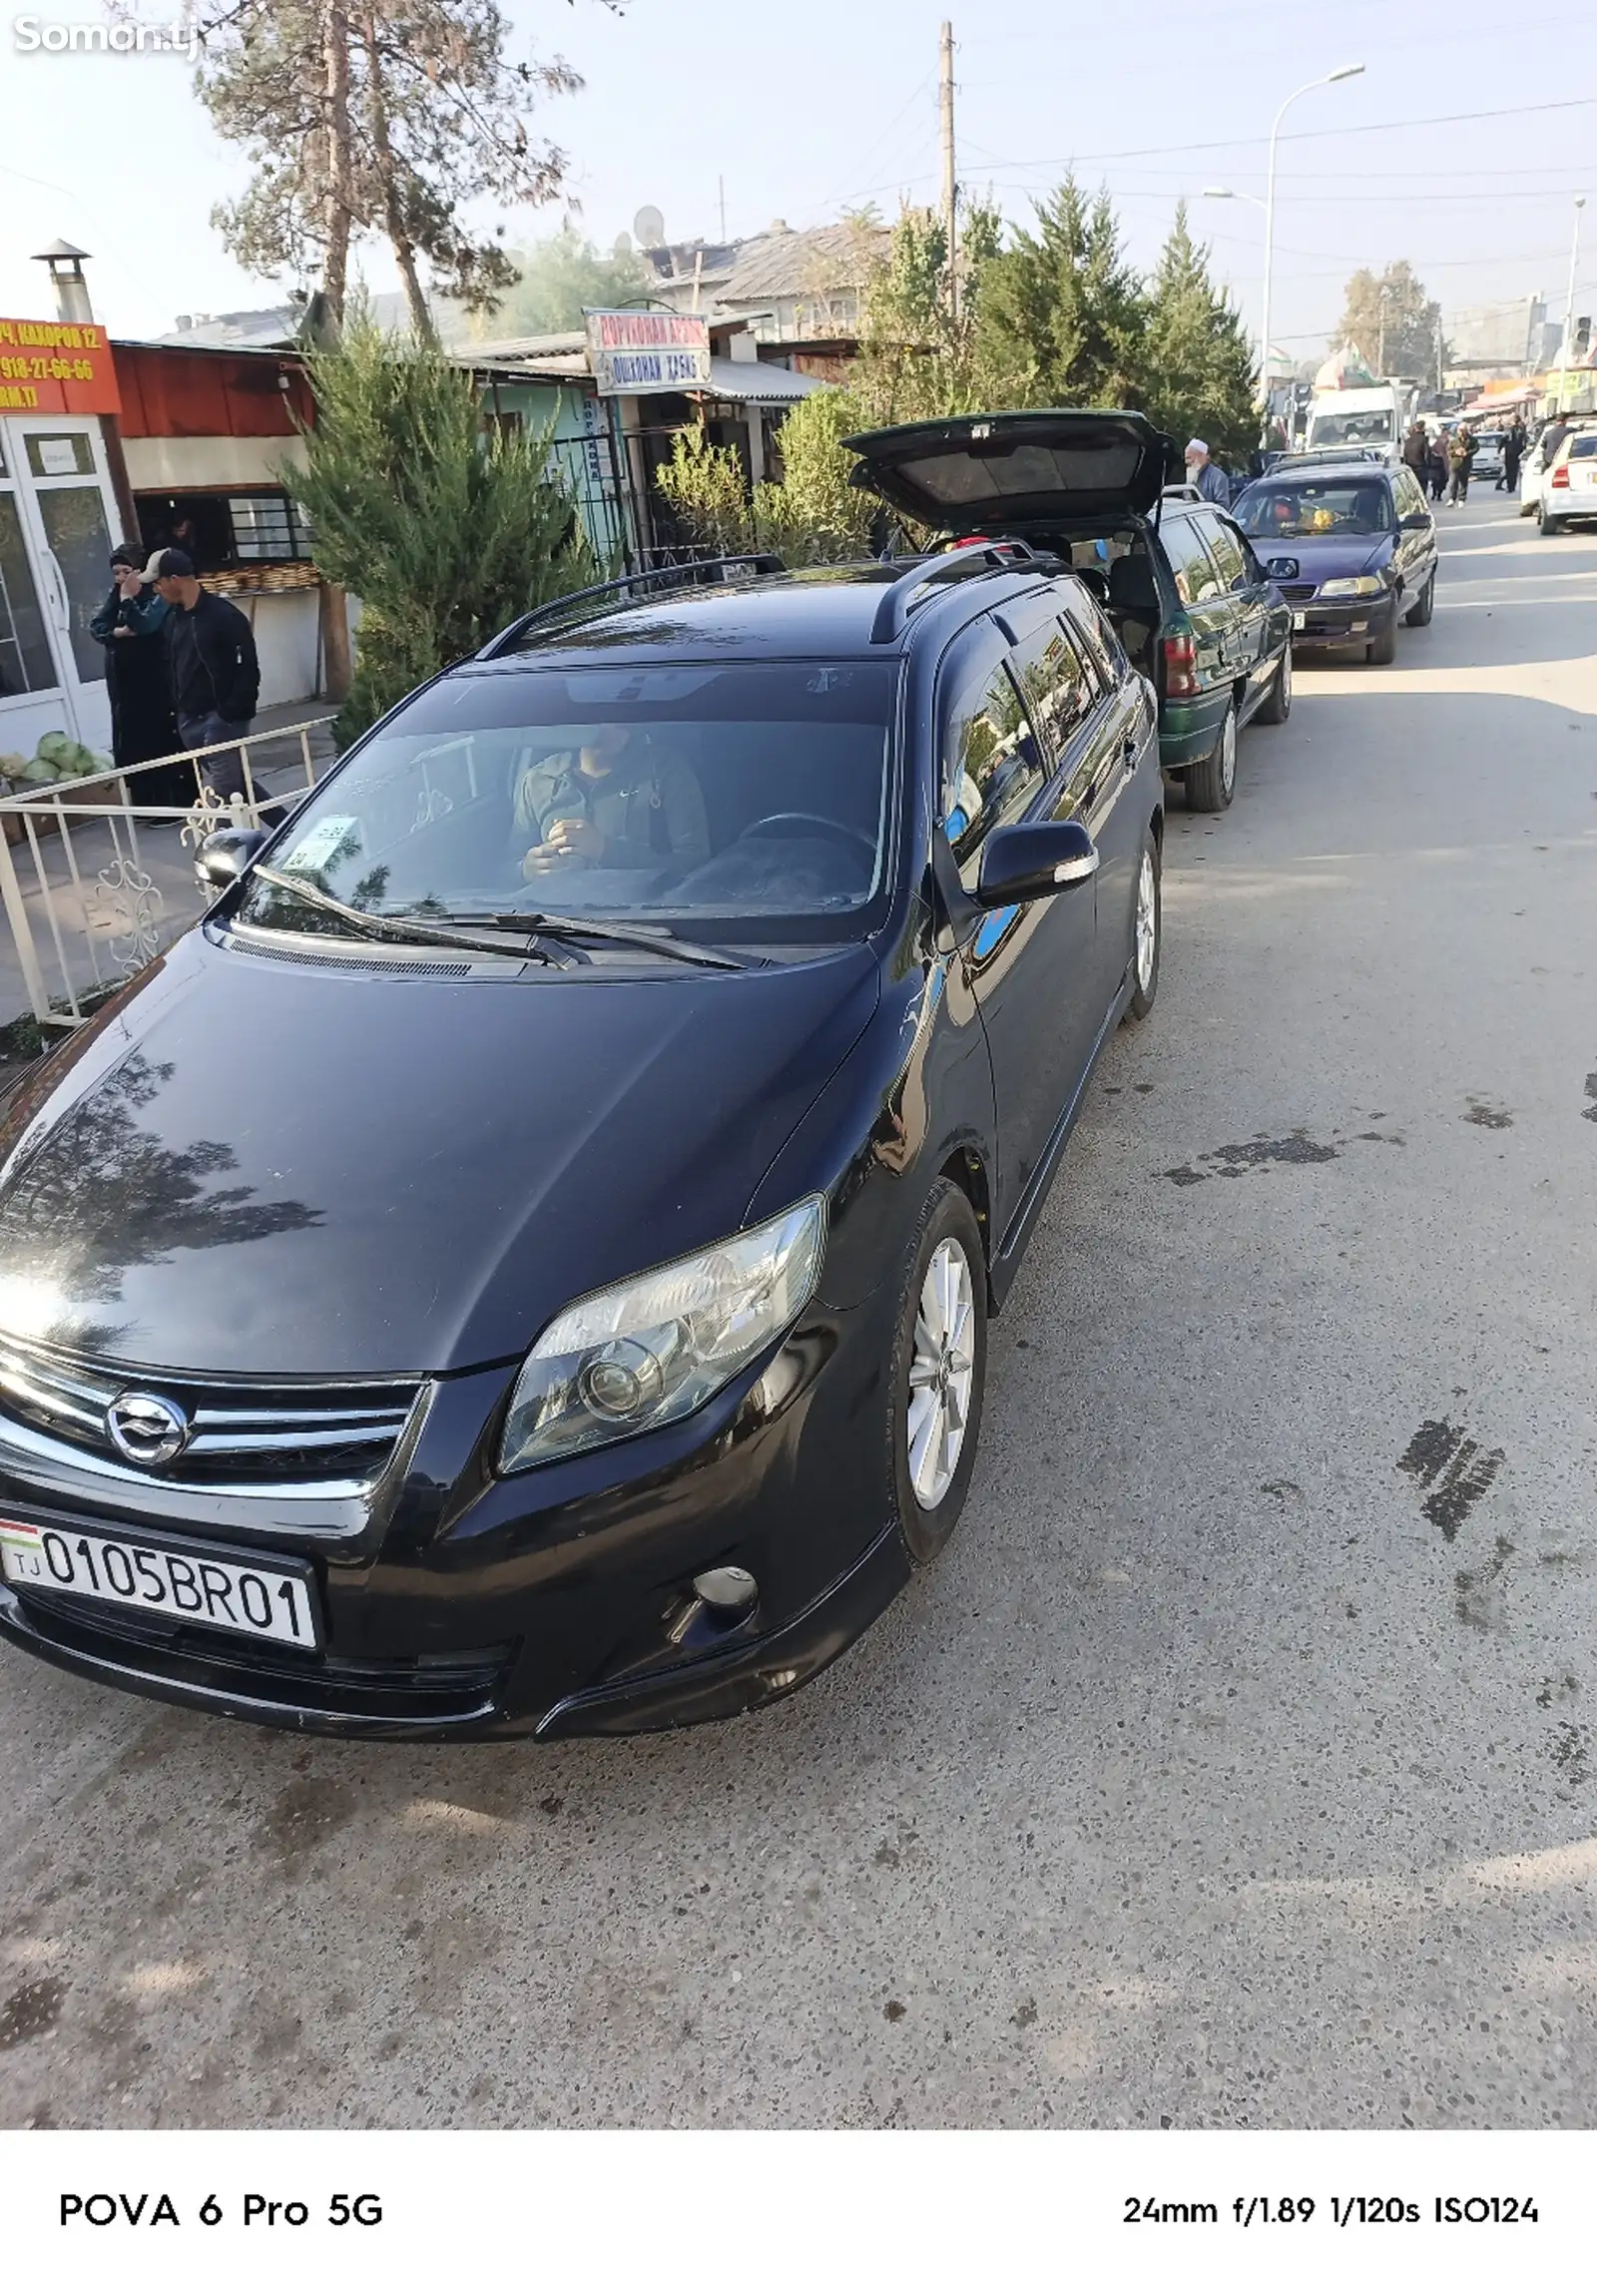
(549, 1604)
(1345, 622)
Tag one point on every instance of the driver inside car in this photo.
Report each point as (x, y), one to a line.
(611, 803)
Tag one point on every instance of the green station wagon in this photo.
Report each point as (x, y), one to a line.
(1194, 607)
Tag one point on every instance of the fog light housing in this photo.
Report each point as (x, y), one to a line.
(728, 1589)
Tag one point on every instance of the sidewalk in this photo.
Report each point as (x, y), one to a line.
(107, 909)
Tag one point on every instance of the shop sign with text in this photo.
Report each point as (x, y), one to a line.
(648, 350)
(55, 366)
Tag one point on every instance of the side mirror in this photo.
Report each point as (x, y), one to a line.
(1414, 519)
(225, 854)
(1034, 858)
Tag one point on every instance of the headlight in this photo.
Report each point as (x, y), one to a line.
(655, 1348)
(1352, 586)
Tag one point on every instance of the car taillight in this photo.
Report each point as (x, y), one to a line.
(1181, 666)
(1561, 475)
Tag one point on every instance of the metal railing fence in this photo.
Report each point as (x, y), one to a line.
(115, 899)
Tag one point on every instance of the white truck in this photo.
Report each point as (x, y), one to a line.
(1374, 416)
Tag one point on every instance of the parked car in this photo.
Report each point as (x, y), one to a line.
(1567, 492)
(522, 1263)
(1353, 549)
(1194, 608)
(1488, 461)
(1533, 469)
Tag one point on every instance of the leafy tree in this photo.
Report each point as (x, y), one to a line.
(389, 116)
(557, 279)
(811, 514)
(918, 355)
(1197, 367)
(1063, 316)
(1391, 321)
(444, 531)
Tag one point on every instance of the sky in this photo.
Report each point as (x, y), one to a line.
(1461, 148)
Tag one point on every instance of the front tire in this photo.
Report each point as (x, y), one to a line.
(1546, 526)
(1421, 611)
(1148, 930)
(938, 1372)
(1276, 708)
(1384, 649)
(1211, 781)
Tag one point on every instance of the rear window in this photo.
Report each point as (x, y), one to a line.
(975, 475)
(1579, 447)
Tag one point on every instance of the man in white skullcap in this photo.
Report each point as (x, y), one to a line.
(1211, 483)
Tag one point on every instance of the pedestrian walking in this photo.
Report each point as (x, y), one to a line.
(212, 665)
(1513, 454)
(1461, 454)
(1438, 465)
(1211, 483)
(1416, 452)
(143, 725)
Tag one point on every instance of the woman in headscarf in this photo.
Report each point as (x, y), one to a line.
(128, 625)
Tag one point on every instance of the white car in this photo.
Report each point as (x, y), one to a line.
(1530, 470)
(1488, 462)
(1569, 487)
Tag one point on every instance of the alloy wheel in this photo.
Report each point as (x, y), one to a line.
(942, 1371)
(1147, 923)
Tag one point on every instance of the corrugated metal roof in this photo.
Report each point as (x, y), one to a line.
(755, 383)
(800, 262)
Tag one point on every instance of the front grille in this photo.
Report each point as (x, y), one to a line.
(1297, 591)
(279, 1433)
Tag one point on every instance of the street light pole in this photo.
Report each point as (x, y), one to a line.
(1568, 343)
(1344, 71)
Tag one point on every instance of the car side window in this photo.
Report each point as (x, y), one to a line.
(1061, 693)
(1410, 498)
(1087, 622)
(1196, 578)
(1227, 552)
(992, 766)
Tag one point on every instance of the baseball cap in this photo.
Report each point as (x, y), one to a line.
(164, 564)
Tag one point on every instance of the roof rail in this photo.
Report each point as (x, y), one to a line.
(695, 572)
(893, 614)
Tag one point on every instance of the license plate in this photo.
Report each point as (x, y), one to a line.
(268, 1599)
(1298, 621)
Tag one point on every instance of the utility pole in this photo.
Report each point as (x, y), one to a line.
(1568, 343)
(951, 184)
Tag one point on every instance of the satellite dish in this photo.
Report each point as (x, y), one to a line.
(650, 226)
(623, 244)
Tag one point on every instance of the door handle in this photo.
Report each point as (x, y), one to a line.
(58, 590)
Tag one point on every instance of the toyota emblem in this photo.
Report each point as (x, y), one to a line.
(147, 1428)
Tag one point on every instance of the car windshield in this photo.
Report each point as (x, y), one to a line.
(1301, 506)
(750, 794)
(1375, 428)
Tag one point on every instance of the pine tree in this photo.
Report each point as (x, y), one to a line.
(1062, 313)
(444, 533)
(1197, 365)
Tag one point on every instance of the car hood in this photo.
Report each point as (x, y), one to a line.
(247, 1165)
(1012, 472)
(1321, 557)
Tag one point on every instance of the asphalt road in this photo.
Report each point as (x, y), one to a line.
(1238, 1763)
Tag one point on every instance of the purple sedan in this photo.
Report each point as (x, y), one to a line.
(1349, 546)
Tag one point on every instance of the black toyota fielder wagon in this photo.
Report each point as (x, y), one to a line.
(522, 1263)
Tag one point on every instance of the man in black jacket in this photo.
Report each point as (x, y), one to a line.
(212, 665)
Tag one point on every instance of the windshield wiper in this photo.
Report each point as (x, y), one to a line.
(407, 931)
(658, 938)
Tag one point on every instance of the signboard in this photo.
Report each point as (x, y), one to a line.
(648, 350)
(55, 366)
